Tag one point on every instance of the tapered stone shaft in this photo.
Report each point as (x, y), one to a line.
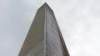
(44, 37)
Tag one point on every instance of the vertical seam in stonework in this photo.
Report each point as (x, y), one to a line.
(46, 28)
(45, 31)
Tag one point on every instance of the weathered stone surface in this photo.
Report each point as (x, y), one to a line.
(44, 37)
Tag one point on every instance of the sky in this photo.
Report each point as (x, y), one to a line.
(79, 21)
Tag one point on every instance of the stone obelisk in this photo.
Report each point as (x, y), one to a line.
(44, 37)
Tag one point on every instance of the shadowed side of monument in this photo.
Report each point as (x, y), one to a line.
(44, 37)
(34, 42)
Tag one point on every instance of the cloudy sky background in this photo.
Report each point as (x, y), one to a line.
(79, 21)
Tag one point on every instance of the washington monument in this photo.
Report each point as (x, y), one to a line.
(44, 37)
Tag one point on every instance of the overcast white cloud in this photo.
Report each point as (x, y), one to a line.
(79, 21)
